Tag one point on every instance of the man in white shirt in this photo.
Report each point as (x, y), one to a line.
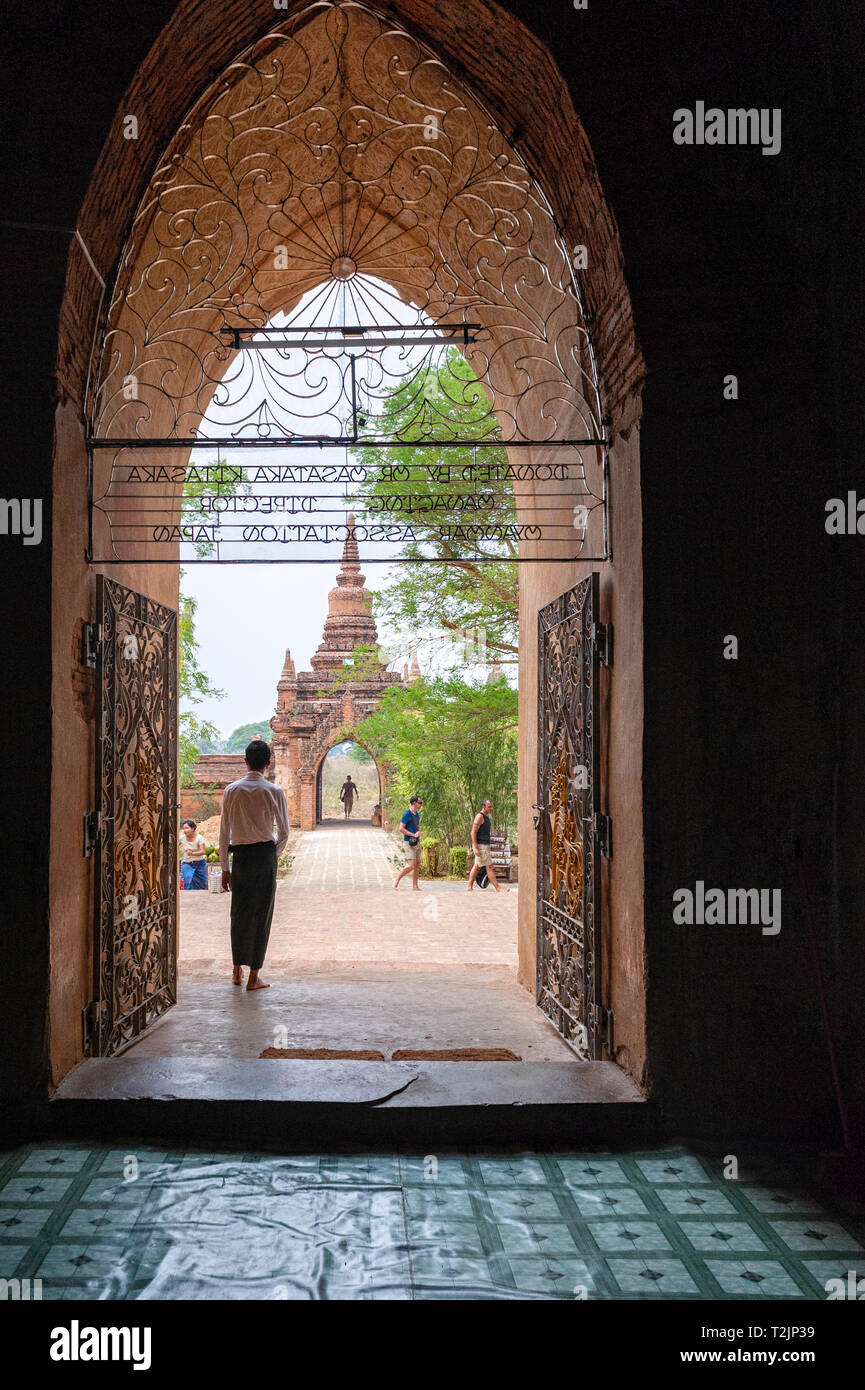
(250, 807)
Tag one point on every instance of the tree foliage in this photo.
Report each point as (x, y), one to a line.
(237, 740)
(195, 734)
(194, 686)
(440, 590)
(453, 741)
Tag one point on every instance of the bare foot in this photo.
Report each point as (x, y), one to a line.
(396, 885)
(256, 983)
(237, 975)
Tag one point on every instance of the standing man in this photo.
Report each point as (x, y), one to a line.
(346, 794)
(249, 808)
(481, 827)
(410, 822)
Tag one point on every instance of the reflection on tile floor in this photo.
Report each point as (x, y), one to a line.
(139, 1222)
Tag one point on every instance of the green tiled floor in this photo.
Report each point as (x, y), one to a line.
(139, 1222)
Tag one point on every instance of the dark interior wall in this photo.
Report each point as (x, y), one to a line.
(735, 262)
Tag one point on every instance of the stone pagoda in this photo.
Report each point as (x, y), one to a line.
(313, 708)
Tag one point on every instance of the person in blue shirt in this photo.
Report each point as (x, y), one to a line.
(410, 822)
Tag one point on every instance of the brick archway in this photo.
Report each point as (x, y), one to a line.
(316, 709)
(483, 50)
(349, 736)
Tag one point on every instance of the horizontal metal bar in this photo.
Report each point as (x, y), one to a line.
(349, 328)
(350, 343)
(341, 442)
(372, 560)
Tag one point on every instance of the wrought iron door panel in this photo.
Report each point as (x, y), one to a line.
(136, 880)
(569, 880)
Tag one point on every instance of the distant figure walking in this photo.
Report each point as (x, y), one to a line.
(481, 829)
(250, 807)
(410, 822)
(346, 794)
(193, 856)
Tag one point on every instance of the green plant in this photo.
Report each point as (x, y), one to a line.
(471, 596)
(455, 742)
(458, 858)
(429, 858)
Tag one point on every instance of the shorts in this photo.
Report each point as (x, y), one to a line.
(411, 851)
(484, 857)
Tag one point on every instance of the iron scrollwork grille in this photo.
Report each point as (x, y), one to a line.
(136, 881)
(569, 878)
(341, 248)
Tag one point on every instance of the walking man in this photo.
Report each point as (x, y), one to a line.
(410, 822)
(250, 807)
(346, 794)
(481, 828)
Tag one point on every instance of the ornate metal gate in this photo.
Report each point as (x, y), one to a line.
(572, 833)
(136, 820)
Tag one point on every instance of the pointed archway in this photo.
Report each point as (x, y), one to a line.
(316, 709)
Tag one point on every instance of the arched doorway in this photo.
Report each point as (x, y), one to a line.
(348, 760)
(479, 238)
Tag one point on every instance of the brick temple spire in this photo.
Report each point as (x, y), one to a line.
(350, 555)
(349, 621)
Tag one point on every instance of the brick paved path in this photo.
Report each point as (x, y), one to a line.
(343, 854)
(354, 964)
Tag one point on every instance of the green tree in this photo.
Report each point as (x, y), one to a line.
(455, 742)
(244, 733)
(193, 681)
(194, 686)
(470, 592)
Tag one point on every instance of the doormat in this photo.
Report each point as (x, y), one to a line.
(324, 1054)
(455, 1054)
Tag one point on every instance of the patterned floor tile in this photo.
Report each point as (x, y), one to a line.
(678, 1168)
(554, 1277)
(653, 1279)
(542, 1240)
(585, 1172)
(721, 1235)
(694, 1201)
(54, 1162)
(35, 1189)
(628, 1235)
(608, 1201)
(754, 1279)
(21, 1222)
(815, 1235)
(777, 1201)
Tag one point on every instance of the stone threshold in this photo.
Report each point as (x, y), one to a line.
(300, 1103)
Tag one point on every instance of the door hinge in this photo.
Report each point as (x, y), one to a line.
(91, 833)
(604, 1023)
(89, 644)
(90, 1016)
(602, 638)
(604, 834)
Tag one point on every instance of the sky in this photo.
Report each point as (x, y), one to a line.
(247, 616)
